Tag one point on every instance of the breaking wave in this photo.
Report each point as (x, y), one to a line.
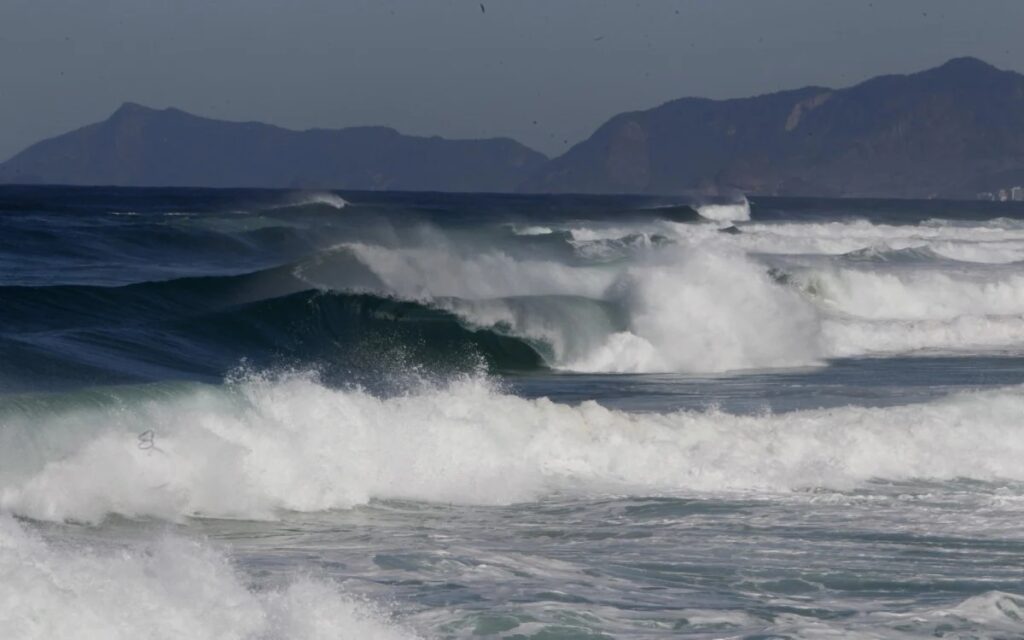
(324, 198)
(171, 587)
(678, 310)
(259, 447)
(731, 212)
(638, 294)
(916, 295)
(703, 304)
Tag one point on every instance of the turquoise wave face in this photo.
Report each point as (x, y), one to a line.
(126, 285)
(199, 329)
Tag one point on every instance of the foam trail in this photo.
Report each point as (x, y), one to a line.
(610, 232)
(992, 614)
(847, 337)
(259, 447)
(172, 588)
(902, 310)
(1004, 252)
(983, 242)
(533, 231)
(915, 295)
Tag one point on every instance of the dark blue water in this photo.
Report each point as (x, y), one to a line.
(272, 414)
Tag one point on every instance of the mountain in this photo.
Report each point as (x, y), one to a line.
(950, 131)
(139, 146)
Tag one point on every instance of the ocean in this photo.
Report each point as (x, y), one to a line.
(262, 414)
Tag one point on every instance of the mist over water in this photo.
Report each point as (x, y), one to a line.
(303, 415)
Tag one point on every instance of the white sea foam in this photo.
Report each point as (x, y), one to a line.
(261, 447)
(1002, 252)
(615, 247)
(616, 232)
(731, 212)
(847, 337)
(706, 310)
(169, 589)
(532, 231)
(687, 309)
(325, 198)
(440, 271)
(978, 242)
(918, 294)
(701, 301)
(902, 310)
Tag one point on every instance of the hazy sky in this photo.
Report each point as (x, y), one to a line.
(546, 72)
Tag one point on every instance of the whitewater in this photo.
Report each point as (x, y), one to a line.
(259, 414)
(671, 297)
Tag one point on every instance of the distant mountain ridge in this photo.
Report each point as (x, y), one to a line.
(139, 146)
(951, 131)
(948, 131)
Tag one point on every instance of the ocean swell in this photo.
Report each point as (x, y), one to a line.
(624, 295)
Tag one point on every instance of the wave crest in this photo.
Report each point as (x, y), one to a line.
(325, 198)
(731, 212)
(263, 446)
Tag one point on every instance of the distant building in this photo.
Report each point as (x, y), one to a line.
(1016, 194)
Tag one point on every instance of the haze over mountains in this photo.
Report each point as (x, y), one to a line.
(951, 131)
(139, 146)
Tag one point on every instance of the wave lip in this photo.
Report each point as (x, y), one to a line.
(732, 212)
(690, 309)
(326, 199)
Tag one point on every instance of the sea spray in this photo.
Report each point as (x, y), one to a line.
(166, 588)
(706, 310)
(727, 212)
(267, 445)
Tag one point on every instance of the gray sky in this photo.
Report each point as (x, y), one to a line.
(546, 72)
